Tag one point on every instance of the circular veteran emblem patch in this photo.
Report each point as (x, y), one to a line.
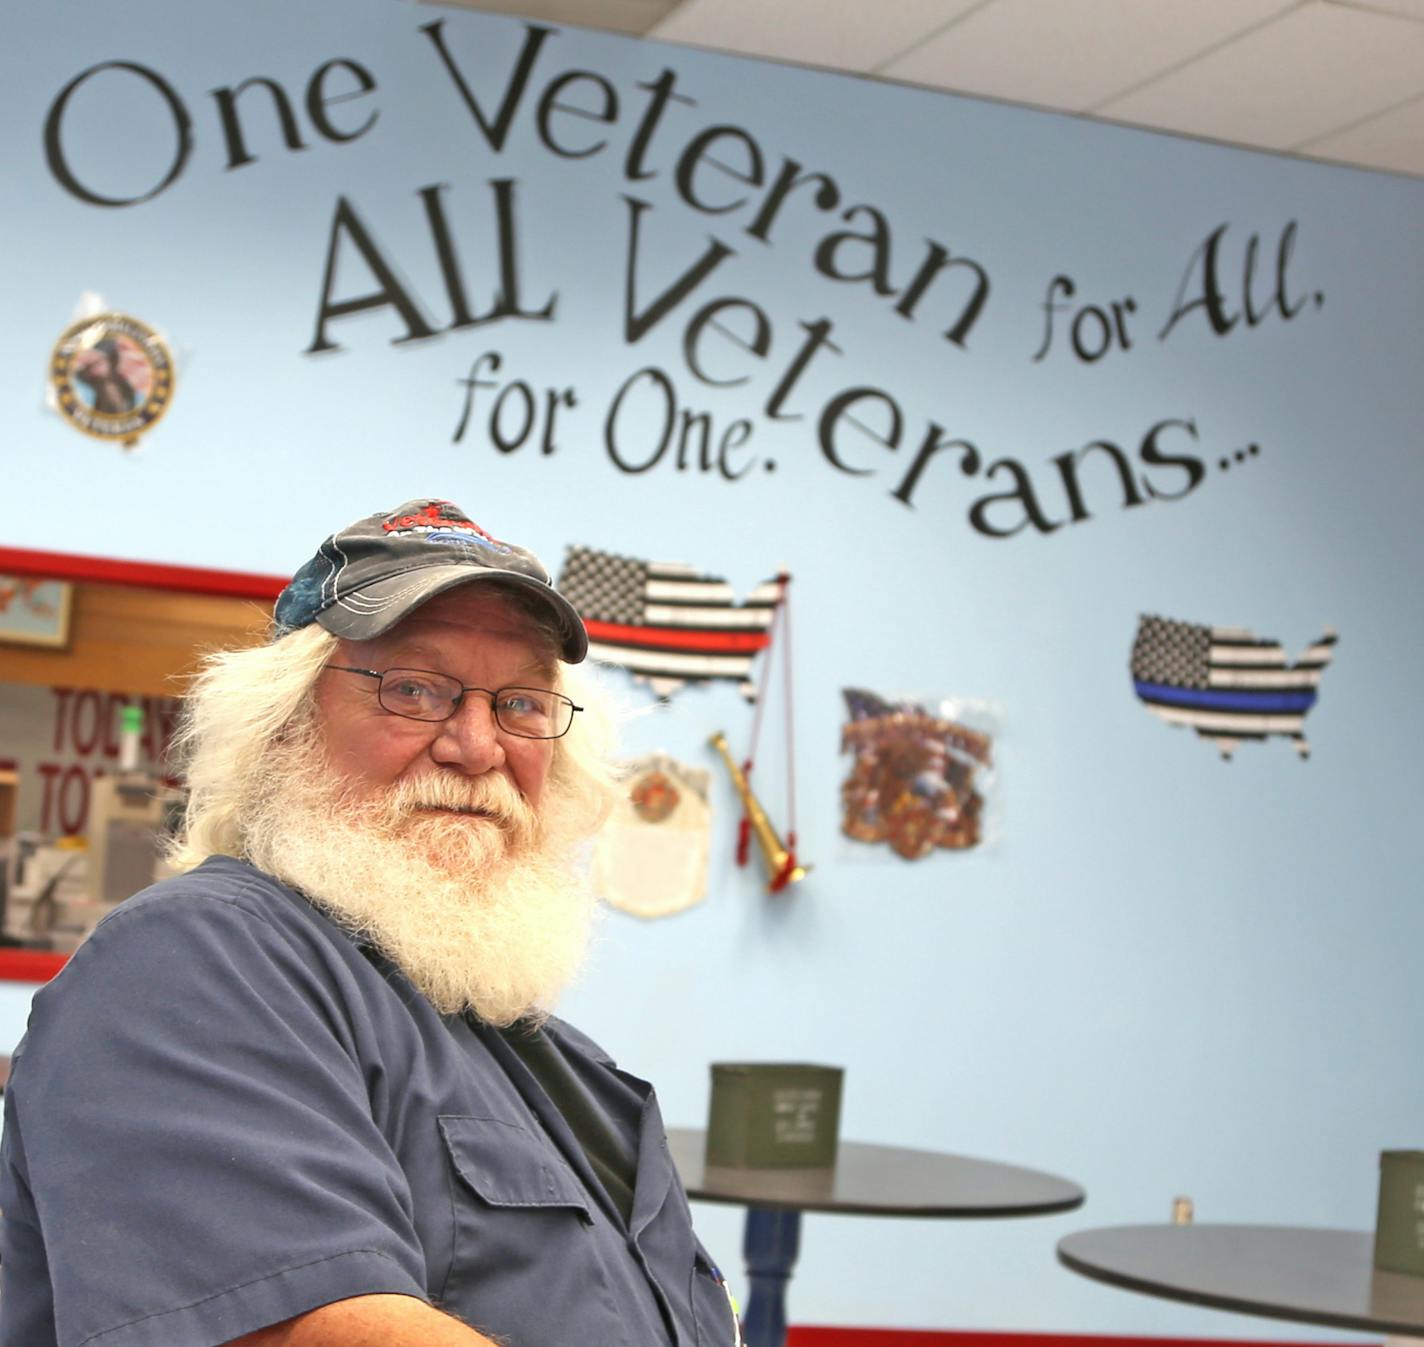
(654, 797)
(112, 377)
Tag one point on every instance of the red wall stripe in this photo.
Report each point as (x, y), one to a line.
(148, 574)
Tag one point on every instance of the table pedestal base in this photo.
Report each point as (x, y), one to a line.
(770, 1245)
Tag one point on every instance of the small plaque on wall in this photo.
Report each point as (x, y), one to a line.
(34, 612)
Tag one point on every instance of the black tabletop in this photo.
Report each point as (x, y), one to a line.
(1315, 1276)
(877, 1181)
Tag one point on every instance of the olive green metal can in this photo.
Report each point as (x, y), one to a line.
(1399, 1227)
(774, 1115)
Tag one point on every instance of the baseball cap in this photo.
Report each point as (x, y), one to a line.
(367, 577)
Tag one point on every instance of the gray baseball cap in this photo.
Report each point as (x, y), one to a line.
(366, 578)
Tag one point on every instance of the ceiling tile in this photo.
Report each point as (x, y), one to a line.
(1318, 68)
(1412, 9)
(1073, 54)
(616, 16)
(837, 34)
(1393, 141)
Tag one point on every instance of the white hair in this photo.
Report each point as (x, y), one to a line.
(243, 703)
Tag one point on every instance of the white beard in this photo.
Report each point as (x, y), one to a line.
(484, 912)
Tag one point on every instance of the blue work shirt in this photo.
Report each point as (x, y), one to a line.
(224, 1114)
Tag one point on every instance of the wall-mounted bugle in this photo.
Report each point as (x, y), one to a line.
(781, 865)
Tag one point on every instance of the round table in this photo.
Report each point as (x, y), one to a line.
(1310, 1275)
(867, 1180)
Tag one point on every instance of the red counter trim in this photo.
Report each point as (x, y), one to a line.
(30, 965)
(803, 1335)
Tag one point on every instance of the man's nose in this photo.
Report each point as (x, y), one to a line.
(470, 739)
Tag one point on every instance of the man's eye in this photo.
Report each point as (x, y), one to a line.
(521, 703)
(415, 689)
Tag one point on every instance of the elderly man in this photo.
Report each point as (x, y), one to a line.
(309, 1091)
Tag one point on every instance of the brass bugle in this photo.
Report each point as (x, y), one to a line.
(781, 865)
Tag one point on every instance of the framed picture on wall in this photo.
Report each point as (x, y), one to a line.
(34, 612)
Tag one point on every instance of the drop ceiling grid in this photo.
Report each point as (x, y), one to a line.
(1317, 69)
(837, 34)
(1412, 9)
(1074, 53)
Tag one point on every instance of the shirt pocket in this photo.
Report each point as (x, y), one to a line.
(526, 1265)
(712, 1309)
(508, 1166)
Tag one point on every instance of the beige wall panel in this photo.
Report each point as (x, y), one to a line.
(123, 639)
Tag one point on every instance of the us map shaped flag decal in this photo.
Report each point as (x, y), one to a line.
(1225, 682)
(665, 622)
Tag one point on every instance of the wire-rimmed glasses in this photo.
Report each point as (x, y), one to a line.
(423, 694)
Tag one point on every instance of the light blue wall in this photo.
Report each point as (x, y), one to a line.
(14, 1009)
(1169, 974)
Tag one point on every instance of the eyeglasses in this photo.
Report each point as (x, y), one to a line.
(419, 694)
